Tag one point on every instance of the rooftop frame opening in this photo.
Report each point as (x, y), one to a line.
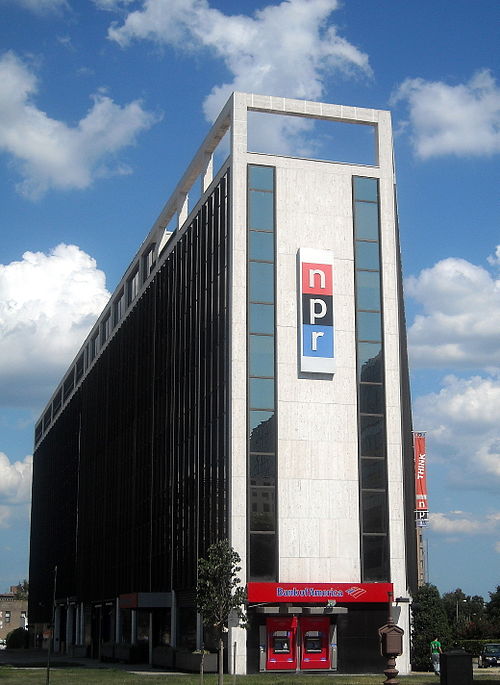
(311, 137)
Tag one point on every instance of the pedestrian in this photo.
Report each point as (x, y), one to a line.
(436, 651)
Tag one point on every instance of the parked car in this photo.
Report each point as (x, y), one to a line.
(490, 655)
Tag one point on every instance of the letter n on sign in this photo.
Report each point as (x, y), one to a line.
(316, 322)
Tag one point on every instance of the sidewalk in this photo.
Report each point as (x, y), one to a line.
(37, 658)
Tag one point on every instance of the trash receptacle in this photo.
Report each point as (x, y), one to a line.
(456, 667)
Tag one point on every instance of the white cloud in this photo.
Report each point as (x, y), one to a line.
(461, 120)
(15, 489)
(308, 50)
(15, 479)
(461, 421)
(50, 154)
(497, 547)
(494, 259)
(111, 4)
(48, 303)
(460, 323)
(40, 6)
(464, 523)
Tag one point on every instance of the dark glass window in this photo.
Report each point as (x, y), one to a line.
(371, 399)
(368, 290)
(375, 558)
(366, 221)
(372, 436)
(366, 189)
(262, 556)
(374, 512)
(262, 430)
(371, 395)
(373, 474)
(261, 282)
(370, 362)
(367, 255)
(261, 488)
(261, 355)
(369, 326)
(263, 515)
(261, 393)
(261, 245)
(262, 468)
(261, 318)
(261, 210)
(261, 177)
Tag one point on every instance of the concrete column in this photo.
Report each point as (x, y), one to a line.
(173, 621)
(78, 636)
(133, 627)
(183, 211)
(208, 175)
(57, 628)
(82, 624)
(150, 639)
(70, 615)
(118, 624)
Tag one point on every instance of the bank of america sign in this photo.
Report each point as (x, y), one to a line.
(316, 321)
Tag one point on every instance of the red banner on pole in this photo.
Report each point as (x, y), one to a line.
(420, 458)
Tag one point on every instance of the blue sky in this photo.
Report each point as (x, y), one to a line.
(103, 103)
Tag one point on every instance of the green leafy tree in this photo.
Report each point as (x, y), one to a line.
(466, 615)
(429, 621)
(219, 592)
(493, 610)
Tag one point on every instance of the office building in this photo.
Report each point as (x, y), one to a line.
(247, 380)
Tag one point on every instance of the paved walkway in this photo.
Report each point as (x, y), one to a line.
(33, 658)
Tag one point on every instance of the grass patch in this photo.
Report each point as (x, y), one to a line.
(110, 676)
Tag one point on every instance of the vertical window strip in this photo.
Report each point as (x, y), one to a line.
(372, 444)
(261, 380)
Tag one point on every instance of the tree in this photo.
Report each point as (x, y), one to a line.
(493, 609)
(429, 621)
(219, 593)
(466, 616)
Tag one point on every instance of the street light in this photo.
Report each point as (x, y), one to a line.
(457, 604)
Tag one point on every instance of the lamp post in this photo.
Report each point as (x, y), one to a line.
(457, 605)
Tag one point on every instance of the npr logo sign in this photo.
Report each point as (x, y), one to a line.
(316, 311)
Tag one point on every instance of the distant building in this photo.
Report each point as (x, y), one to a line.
(13, 612)
(247, 380)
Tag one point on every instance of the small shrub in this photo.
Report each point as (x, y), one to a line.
(17, 639)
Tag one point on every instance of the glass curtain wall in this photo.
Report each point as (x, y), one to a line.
(261, 377)
(371, 395)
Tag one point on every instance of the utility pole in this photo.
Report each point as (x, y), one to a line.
(53, 625)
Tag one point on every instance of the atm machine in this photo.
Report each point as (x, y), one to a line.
(318, 649)
(281, 644)
(291, 644)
